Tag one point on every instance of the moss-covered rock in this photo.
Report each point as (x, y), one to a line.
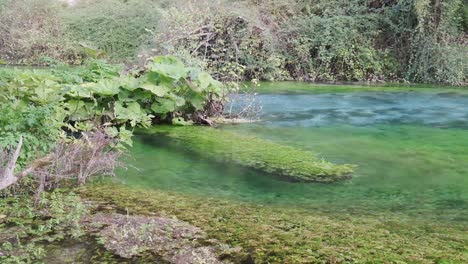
(223, 146)
(171, 240)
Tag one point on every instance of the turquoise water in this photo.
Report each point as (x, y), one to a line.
(411, 148)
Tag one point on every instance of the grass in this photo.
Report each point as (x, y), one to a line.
(223, 146)
(281, 235)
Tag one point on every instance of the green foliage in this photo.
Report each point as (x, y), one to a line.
(31, 107)
(320, 40)
(434, 62)
(32, 30)
(223, 146)
(234, 41)
(357, 40)
(167, 89)
(428, 39)
(96, 95)
(334, 46)
(27, 228)
(38, 125)
(117, 27)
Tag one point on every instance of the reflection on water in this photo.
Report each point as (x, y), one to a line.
(412, 150)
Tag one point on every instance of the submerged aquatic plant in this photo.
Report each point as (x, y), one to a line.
(291, 163)
(287, 235)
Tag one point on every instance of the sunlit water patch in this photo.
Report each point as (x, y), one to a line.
(411, 148)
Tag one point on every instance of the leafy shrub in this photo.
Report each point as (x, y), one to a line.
(117, 27)
(428, 40)
(56, 217)
(167, 89)
(98, 105)
(332, 47)
(32, 30)
(235, 40)
(319, 40)
(38, 125)
(98, 95)
(433, 62)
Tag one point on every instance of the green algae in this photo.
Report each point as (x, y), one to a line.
(223, 146)
(317, 88)
(48, 232)
(419, 171)
(282, 235)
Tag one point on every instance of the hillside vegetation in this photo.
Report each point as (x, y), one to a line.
(315, 40)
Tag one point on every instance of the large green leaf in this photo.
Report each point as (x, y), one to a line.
(75, 105)
(129, 83)
(197, 100)
(45, 94)
(163, 106)
(216, 87)
(132, 113)
(158, 90)
(80, 110)
(105, 87)
(204, 79)
(168, 66)
(79, 91)
(179, 101)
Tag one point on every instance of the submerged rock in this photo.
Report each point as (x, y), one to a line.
(172, 240)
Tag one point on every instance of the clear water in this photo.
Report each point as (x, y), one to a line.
(411, 148)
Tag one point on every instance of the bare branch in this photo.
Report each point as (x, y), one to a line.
(8, 177)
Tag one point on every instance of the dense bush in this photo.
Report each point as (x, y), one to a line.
(331, 47)
(428, 39)
(439, 53)
(38, 125)
(85, 98)
(357, 40)
(60, 125)
(320, 40)
(235, 40)
(118, 27)
(31, 32)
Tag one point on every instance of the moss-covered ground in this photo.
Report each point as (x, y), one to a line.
(224, 146)
(281, 235)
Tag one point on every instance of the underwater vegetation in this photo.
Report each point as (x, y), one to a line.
(291, 163)
(269, 234)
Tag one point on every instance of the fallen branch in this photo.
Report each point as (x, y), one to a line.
(8, 177)
(90, 156)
